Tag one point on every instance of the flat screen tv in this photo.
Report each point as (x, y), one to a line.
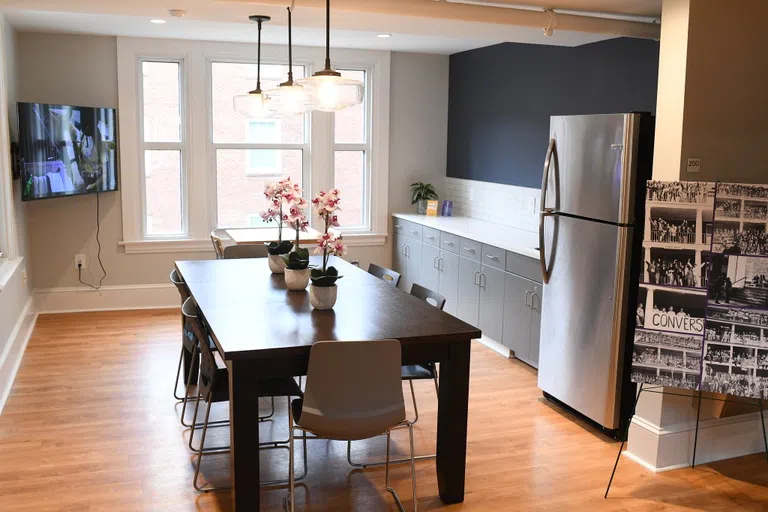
(66, 150)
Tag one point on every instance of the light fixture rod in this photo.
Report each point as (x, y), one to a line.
(290, 50)
(258, 60)
(327, 34)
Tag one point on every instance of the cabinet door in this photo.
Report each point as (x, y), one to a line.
(491, 313)
(468, 299)
(449, 280)
(536, 302)
(429, 277)
(517, 316)
(399, 263)
(413, 272)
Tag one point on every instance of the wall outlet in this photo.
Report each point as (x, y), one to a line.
(80, 262)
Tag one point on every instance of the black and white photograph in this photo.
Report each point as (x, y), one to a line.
(741, 219)
(656, 353)
(678, 234)
(739, 281)
(690, 192)
(671, 310)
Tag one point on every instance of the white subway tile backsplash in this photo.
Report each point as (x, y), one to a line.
(505, 204)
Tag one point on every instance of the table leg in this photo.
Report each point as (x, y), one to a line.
(453, 404)
(244, 436)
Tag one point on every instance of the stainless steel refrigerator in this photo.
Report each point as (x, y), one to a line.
(595, 169)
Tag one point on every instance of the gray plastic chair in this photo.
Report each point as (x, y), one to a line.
(347, 401)
(233, 252)
(385, 274)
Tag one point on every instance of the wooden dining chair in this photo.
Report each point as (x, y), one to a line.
(217, 239)
(348, 401)
(232, 252)
(214, 388)
(410, 373)
(385, 274)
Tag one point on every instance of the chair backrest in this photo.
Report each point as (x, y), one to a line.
(180, 285)
(207, 361)
(428, 295)
(218, 245)
(233, 252)
(354, 389)
(385, 274)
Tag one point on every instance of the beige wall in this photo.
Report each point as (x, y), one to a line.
(82, 70)
(717, 54)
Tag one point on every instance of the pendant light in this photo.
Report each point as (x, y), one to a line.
(289, 98)
(328, 91)
(253, 104)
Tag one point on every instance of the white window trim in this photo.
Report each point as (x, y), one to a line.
(199, 193)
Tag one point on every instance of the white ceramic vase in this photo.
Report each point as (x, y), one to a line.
(276, 263)
(296, 280)
(322, 297)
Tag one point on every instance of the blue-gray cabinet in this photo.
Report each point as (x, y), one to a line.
(496, 290)
(522, 317)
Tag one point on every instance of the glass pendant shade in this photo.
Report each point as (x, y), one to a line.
(287, 100)
(253, 104)
(331, 92)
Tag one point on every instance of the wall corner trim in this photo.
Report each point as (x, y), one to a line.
(10, 359)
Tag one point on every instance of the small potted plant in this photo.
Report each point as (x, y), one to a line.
(278, 194)
(323, 291)
(297, 261)
(421, 193)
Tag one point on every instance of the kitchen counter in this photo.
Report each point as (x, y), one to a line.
(504, 237)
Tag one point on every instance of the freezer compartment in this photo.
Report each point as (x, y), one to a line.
(583, 315)
(592, 170)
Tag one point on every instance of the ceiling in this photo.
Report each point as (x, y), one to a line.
(226, 20)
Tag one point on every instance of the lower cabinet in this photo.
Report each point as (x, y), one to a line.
(468, 300)
(449, 281)
(491, 312)
(407, 260)
(522, 317)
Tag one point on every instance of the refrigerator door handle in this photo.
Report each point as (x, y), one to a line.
(545, 212)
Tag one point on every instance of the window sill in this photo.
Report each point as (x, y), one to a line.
(204, 245)
(8, 268)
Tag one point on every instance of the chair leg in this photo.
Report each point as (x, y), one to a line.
(415, 407)
(413, 468)
(189, 385)
(291, 479)
(201, 452)
(178, 373)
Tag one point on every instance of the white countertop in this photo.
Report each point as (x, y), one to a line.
(508, 238)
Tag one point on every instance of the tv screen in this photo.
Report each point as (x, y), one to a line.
(66, 150)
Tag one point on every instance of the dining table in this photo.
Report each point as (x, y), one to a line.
(263, 331)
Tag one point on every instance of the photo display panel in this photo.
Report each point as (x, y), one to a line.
(702, 316)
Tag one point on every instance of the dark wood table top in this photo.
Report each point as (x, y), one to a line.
(251, 314)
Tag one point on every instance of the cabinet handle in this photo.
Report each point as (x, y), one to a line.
(477, 276)
(528, 294)
(534, 294)
(414, 232)
(398, 226)
(483, 282)
(407, 250)
(434, 262)
(430, 237)
(448, 243)
(469, 249)
(439, 263)
(494, 258)
(403, 249)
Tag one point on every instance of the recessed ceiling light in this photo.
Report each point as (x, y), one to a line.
(383, 36)
(157, 22)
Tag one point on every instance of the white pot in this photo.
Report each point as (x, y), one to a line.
(322, 297)
(276, 263)
(296, 279)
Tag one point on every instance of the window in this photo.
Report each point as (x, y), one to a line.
(351, 159)
(189, 163)
(162, 149)
(251, 152)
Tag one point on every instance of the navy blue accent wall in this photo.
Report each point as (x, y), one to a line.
(501, 98)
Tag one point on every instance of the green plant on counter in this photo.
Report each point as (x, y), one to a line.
(422, 192)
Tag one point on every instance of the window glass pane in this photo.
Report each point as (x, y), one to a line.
(162, 179)
(349, 178)
(240, 190)
(232, 79)
(350, 122)
(162, 102)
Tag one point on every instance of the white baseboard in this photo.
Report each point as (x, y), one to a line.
(10, 359)
(664, 449)
(108, 298)
(495, 346)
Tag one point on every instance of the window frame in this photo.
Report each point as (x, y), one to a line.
(304, 147)
(199, 194)
(180, 146)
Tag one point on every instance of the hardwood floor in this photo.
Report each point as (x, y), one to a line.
(91, 426)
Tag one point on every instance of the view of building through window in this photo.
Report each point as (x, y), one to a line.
(248, 153)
